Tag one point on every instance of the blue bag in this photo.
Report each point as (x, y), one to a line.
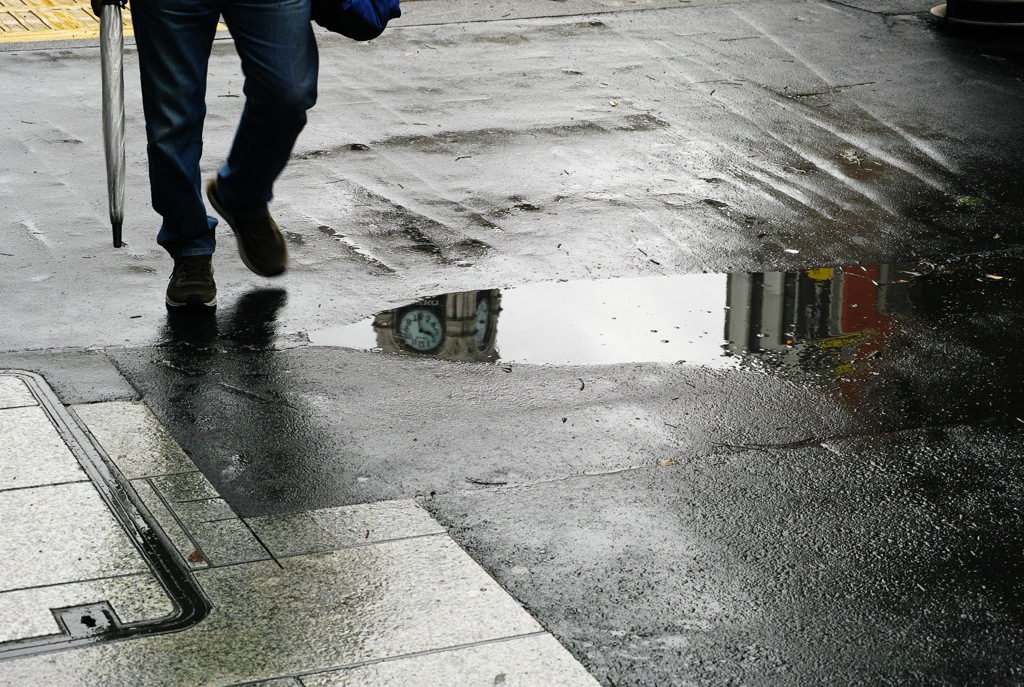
(361, 20)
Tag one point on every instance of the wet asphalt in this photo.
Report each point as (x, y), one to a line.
(833, 499)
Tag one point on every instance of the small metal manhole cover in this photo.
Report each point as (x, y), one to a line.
(87, 621)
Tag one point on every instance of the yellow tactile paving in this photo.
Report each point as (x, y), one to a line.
(45, 20)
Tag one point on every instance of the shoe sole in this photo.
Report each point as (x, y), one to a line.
(211, 195)
(192, 302)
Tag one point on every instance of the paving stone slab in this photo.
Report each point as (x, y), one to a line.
(135, 598)
(335, 528)
(186, 546)
(134, 439)
(31, 451)
(320, 612)
(227, 542)
(536, 661)
(14, 393)
(58, 534)
(292, 534)
(191, 513)
(186, 486)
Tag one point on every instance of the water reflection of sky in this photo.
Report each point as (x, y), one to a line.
(359, 335)
(658, 319)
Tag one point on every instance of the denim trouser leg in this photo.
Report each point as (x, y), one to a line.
(174, 38)
(275, 40)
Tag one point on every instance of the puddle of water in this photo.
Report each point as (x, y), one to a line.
(847, 324)
(928, 343)
(661, 319)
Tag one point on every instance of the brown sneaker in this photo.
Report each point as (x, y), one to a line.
(260, 243)
(192, 282)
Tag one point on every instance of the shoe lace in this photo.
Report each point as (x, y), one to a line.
(190, 269)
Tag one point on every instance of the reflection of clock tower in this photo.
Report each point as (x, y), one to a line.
(455, 326)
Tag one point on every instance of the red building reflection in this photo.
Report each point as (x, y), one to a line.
(828, 321)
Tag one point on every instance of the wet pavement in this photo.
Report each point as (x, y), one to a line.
(305, 596)
(695, 326)
(661, 142)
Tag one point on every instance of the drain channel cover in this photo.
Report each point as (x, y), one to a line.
(84, 562)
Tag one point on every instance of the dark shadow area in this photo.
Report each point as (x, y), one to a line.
(217, 382)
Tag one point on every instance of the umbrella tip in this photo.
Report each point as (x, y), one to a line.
(116, 226)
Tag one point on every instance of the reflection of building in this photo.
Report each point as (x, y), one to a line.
(455, 326)
(822, 320)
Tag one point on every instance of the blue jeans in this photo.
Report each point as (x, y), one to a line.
(275, 41)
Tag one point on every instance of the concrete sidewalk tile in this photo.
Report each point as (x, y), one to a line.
(279, 682)
(336, 528)
(179, 538)
(14, 393)
(536, 661)
(384, 520)
(134, 439)
(291, 534)
(186, 486)
(354, 605)
(408, 595)
(226, 542)
(320, 612)
(135, 598)
(32, 453)
(61, 533)
(191, 513)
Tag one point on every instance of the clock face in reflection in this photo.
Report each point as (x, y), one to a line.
(421, 330)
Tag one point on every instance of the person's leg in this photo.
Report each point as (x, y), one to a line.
(275, 41)
(174, 38)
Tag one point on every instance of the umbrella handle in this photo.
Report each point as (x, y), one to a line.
(97, 5)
